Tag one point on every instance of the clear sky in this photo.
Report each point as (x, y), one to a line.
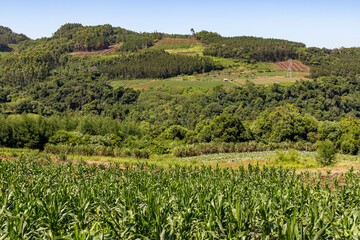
(319, 23)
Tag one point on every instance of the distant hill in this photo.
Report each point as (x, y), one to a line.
(74, 37)
(133, 55)
(7, 36)
(91, 38)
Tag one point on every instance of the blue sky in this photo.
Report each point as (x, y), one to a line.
(331, 24)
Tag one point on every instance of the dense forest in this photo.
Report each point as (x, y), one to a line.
(54, 100)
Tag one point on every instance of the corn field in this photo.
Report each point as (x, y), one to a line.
(45, 200)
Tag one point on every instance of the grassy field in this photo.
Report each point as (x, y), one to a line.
(210, 80)
(175, 83)
(4, 53)
(192, 50)
(269, 78)
(180, 46)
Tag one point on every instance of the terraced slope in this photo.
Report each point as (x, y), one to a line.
(295, 66)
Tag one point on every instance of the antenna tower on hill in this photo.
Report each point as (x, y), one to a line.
(289, 73)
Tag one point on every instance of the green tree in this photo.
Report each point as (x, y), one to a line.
(224, 128)
(284, 123)
(174, 132)
(326, 151)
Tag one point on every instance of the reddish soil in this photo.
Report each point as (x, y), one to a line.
(296, 66)
(111, 49)
(8, 157)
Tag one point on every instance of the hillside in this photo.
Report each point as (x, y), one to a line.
(136, 94)
(7, 36)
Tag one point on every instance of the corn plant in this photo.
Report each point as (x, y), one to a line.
(44, 200)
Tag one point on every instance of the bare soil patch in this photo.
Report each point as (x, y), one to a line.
(295, 66)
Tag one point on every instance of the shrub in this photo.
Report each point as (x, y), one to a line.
(326, 152)
(349, 146)
(289, 156)
(62, 157)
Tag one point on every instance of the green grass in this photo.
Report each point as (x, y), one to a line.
(242, 77)
(229, 62)
(174, 45)
(192, 50)
(240, 66)
(4, 53)
(175, 83)
(264, 66)
(14, 46)
(210, 80)
(180, 46)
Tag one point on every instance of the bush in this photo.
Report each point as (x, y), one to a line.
(62, 157)
(326, 152)
(349, 146)
(132, 152)
(290, 156)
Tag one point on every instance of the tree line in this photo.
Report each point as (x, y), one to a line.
(284, 124)
(156, 64)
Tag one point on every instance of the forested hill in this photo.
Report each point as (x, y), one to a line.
(250, 49)
(75, 37)
(7, 36)
(135, 56)
(89, 38)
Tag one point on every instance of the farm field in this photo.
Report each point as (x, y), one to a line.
(43, 200)
(212, 79)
